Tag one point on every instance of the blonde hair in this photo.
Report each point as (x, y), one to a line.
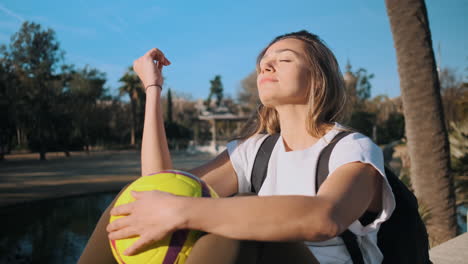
(326, 97)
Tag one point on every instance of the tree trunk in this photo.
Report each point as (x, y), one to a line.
(18, 136)
(428, 145)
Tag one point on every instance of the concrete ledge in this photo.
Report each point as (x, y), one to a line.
(452, 251)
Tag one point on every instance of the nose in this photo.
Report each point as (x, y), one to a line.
(267, 67)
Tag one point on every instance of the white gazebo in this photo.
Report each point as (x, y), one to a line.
(223, 126)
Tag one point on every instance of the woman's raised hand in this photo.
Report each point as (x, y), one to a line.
(149, 67)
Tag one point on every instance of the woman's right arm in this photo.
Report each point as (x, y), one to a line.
(155, 154)
(218, 173)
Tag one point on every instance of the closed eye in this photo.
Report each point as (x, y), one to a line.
(285, 60)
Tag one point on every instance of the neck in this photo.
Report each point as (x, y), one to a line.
(293, 123)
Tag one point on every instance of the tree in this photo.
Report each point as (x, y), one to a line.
(179, 121)
(85, 88)
(358, 89)
(459, 151)
(453, 96)
(248, 94)
(364, 86)
(8, 83)
(132, 87)
(428, 145)
(35, 53)
(216, 89)
(363, 121)
(169, 106)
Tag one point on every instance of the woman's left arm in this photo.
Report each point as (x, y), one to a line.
(343, 197)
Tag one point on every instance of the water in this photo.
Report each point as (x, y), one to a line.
(56, 231)
(52, 231)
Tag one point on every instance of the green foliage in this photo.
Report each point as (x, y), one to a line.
(169, 106)
(392, 129)
(363, 122)
(454, 96)
(364, 86)
(35, 54)
(248, 93)
(8, 82)
(48, 106)
(178, 135)
(459, 156)
(133, 88)
(35, 51)
(85, 88)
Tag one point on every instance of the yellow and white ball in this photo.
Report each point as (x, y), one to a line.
(175, 247)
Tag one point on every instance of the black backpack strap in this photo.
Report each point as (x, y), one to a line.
(321, 172)
(260, 166)
(259, 172)
(349, 238)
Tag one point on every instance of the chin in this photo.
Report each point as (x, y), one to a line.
(268, 97)
(269, 102)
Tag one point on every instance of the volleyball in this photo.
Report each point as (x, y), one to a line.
(175, 247)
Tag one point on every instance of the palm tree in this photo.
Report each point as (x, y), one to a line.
(428, 144)
(132, 87)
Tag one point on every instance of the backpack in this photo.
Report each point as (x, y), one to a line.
(402, 238)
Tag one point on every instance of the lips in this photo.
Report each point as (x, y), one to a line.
(267, 79)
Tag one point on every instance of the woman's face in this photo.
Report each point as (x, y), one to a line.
(283, 75)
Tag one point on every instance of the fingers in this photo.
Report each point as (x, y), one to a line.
(160, 66)
(154, 193)
(139, 194)
(119, 224)
(158, 55)
(139, 246)
(127, 232)
(124, 209)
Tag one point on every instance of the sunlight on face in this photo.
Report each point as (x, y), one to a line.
(283, 75)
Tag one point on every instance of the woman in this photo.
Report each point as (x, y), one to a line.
(302, 94)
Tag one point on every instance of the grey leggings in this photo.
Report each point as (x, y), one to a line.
(209, 249)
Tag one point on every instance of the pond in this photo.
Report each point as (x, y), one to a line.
(50, 231)
(56, 231)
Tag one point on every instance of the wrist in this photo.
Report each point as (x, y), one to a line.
(153, 86)
(186, 206)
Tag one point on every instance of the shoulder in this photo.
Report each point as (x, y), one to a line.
(242, 155)
(357, 147)
(248, 145)
(359, 142)
(355, 141)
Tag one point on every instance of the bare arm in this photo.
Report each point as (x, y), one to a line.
(155, 154)
(342, 199)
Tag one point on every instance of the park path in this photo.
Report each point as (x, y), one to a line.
(24, 178)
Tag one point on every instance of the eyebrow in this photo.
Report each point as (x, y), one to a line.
(282, 50)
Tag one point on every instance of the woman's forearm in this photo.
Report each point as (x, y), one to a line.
(155, 154)
(269, 218)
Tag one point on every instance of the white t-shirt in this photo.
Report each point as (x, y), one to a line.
(293, 173)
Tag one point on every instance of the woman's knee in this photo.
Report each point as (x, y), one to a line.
(212, 248)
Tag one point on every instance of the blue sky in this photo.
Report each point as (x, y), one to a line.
(205, 38)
